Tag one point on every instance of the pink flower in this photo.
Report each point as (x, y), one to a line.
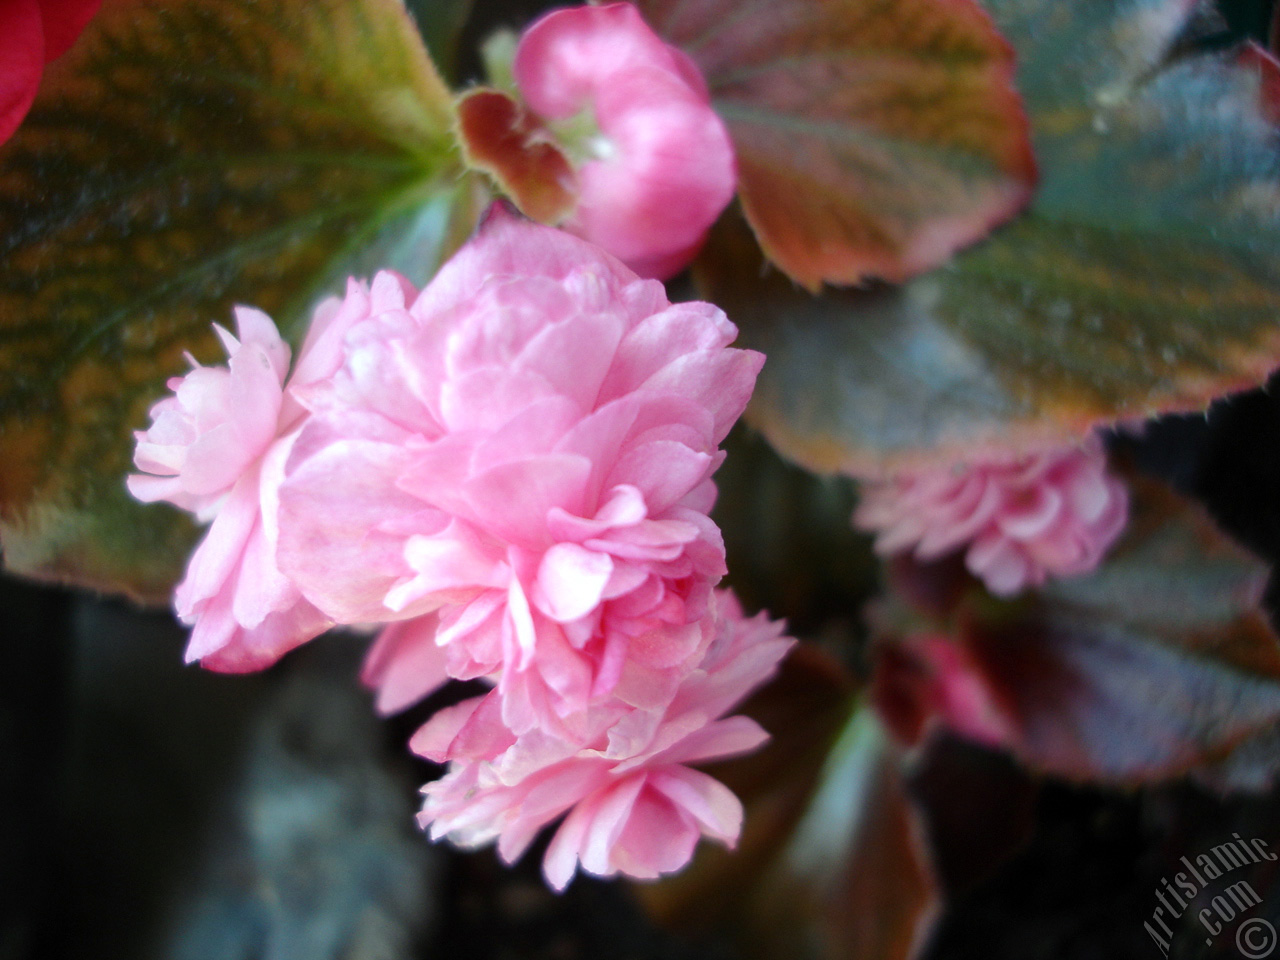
(656, 166)
(526, 452)
(634, 805)
(1020, 519)
(32, 33)
(217, 448)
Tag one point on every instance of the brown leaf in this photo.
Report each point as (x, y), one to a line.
(874, 137)
(1155, 664)
(501, 138)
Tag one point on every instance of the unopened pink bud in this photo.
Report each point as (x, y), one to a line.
(654, 163)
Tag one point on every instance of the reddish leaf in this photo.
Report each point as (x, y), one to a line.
(840, 872)
(502, 139)
(860, 854)
(184, 156)
(1144, 278)
(873, 138)
(1264, 63)
(804, 709)
(1154, 665)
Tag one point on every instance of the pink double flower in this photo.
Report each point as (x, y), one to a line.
(512, 469)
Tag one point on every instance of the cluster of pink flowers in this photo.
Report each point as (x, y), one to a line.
(653, 163)
(1019, 519)
(511, 469)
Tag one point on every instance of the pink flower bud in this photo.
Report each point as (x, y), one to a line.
(1019, 519)
(654, 163)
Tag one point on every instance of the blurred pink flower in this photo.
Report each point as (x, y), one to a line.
(32, 33)
(524, 451)
(1019, 519)
(654, 165)
(926, 678)
(634, 805)
(217, 449)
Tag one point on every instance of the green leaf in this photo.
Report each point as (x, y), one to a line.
(1145, 277)
(441, 23)
(183, 157)
(873, 137)
(1156, 664)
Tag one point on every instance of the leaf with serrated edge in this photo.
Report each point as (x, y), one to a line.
(1158, 662)
(1144, 279)
(185, 156)
(873, 137)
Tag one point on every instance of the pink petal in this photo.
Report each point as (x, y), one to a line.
(566, 56)
(715, 807)
(506, 245)
(656, 838)
(404, 664)
(22, 59)
(571, 581)
(333, 502)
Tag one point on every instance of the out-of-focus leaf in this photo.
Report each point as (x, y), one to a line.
(211, 818)
(441, 23)
(500, 138)
(860, 853)
(804, 709)
(183, 156)
(978, 807)
(847, 879)
(791, 548)
(1157, 663)
(317, 857)
(1144, 278)
(873, 137)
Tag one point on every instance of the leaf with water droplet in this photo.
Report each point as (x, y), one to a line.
(1144, 278)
